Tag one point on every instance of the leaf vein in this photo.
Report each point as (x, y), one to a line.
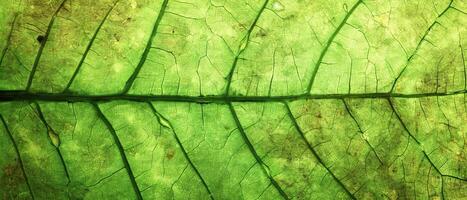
(182, 148)
(315, 154)
(119, 145)
(263, 166)
(129, 82)
(20, 160)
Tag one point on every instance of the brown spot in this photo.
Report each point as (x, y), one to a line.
(318, 115)
(239, 27)
(13, 178)
(9, 170)
(170, 154)
(290, 17)
(261, 33)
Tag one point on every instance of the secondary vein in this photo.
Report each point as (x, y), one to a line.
(262, 165)
(20, 160)
(42, 45)
(242, 48)
(121, 150)
(185, 154)
(328, 44)
(315, 154)
(88, 48)
(148, 47)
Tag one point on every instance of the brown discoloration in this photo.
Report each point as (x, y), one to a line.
(13, 180)
(318, 115)
(170, 154)
(261, 33)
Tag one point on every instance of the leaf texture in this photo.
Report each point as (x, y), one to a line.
(250, 99)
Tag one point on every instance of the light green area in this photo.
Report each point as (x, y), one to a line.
(212, 99)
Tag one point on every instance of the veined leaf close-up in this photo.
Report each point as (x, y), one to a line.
(233, 99)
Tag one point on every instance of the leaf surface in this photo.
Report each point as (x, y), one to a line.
(273, 99)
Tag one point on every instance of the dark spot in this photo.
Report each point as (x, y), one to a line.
(290, 17)
(318, 115)
(40, 38)
(10, 170)
(261, 33)
(117, 37)
(170, 154)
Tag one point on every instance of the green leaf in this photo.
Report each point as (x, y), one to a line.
(273, 99)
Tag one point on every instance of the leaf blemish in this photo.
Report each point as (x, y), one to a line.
(40, 38)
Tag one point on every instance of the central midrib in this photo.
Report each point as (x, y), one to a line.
(25, 96)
